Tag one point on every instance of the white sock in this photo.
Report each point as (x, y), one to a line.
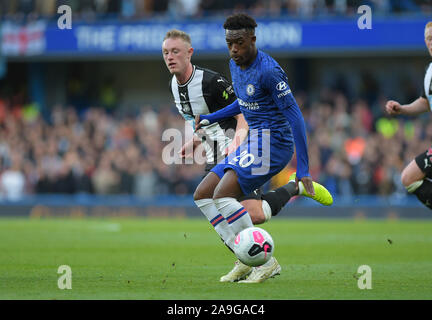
(208, 208)
(235, 214)
(301, 187)
(267, 210)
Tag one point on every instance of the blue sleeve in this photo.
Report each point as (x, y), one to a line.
(229, 111)
(276, 83)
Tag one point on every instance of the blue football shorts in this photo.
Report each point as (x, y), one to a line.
(260, 157)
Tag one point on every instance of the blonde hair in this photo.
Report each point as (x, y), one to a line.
(174, 34)
(428, 25)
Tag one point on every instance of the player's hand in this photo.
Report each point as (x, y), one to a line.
(233, 146)
(200, 123)
(187, 150)
(393, 107)
(307, 182)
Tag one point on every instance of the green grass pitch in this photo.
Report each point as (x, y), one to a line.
(184, 259)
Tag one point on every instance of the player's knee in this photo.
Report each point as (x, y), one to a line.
(219, 193)
(197, 195)
(257, 218)
(255, 211)
(201, 193)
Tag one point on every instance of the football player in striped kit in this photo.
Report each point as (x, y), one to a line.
(198, 91)
(417, 175)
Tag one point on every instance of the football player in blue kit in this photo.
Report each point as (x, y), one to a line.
(275, 125)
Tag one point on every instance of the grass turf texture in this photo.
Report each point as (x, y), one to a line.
(184, 259)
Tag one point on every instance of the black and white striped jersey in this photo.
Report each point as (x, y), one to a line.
(427, 89)
(206, 92)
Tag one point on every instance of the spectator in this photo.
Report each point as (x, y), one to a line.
(12, 180)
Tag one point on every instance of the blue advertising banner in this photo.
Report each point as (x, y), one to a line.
(145, 38)
(170, 206)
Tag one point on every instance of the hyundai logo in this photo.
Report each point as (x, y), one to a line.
(281, 86)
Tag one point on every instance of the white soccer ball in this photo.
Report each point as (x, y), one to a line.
(253, 246)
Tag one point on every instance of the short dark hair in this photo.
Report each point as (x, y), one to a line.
(240, 21)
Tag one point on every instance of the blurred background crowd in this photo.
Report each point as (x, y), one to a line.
(139, 9)
(354, 148)
(90, 143)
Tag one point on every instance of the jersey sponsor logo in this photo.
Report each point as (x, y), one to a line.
(280, 95)
(185, 104)
(248, 105)
(281, 86)
(250, 90)
(220, 80)
(186, 108)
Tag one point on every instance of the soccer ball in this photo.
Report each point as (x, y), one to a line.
(253, 246)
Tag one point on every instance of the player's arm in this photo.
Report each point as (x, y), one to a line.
(277, 84)
(241, 133)
(189, 147)
(222, 93)
(421, 105)
(229, 111)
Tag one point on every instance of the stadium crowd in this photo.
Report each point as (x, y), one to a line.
(353, 148)
(139, 9)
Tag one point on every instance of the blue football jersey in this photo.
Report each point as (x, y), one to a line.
(267, 103)
(262, 91)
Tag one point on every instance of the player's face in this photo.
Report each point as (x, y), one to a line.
(428, 39)
(177, 54)
(241, 46)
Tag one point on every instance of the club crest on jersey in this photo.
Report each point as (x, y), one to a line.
(281, 86)
(250, 89)
(186, 108)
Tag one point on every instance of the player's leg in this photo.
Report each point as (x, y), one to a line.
(322, 195)
(246, 170)
(262, 207)
(274, 200)
(258, 210)
(416, 178)
(225, 198)
(411, 174)
(277, 199)
(203, 198)
(226, 194)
